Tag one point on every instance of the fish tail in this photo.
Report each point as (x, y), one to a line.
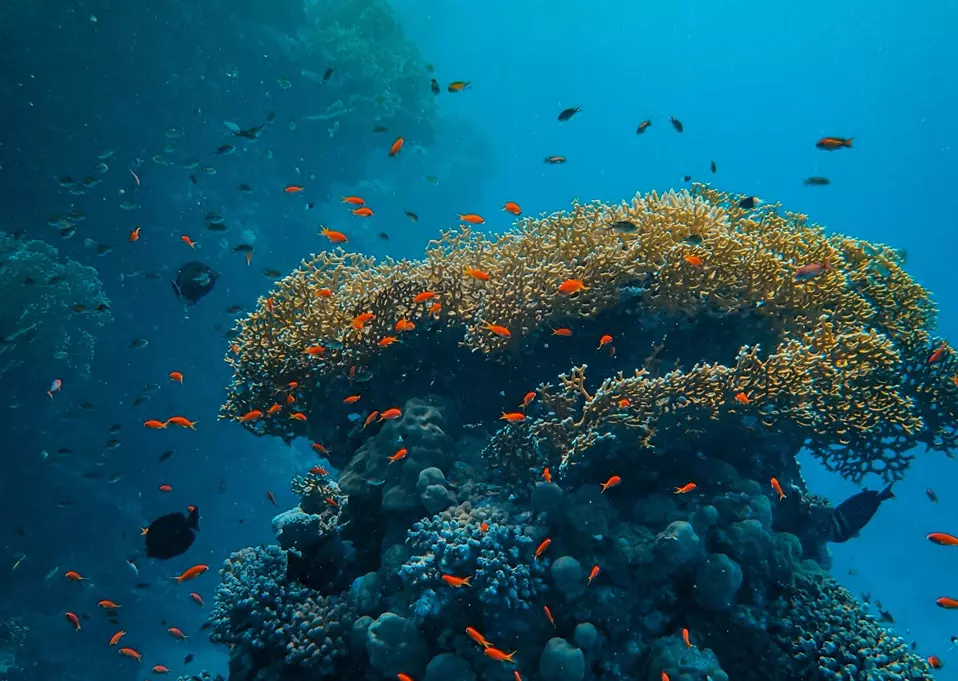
(886, 493)
(848, 142)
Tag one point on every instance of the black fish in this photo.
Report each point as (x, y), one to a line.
(233, 309)
(434, 86)
(687, 178)
(172, 535)
(142, 585)
(383, 236)
(244, 187)
(749, 202)
(188, 659)
(380, 128)
(566, 114)
(166, 455)
(224, 150)
(677, 124)
(624, 227)
(137, 343)
(851, 516)
(310, 205)
(817, 181)
(193, 179)
(205, 626)
(140, 400)
(713, 166)
(554, 160)
(643, 126)
(412, 216)
(932, 497)
(193, 281)
(269, 272)
(328, 74)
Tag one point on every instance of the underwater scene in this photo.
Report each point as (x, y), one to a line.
(433, 340)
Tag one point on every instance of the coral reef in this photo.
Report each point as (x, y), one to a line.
(13, 633)
(50, 307)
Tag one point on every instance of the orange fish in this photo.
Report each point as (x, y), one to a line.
(515, 675)
(611, 482)
(499, 330)
(116, 637)
(269, 305)
(108, 605)
(456, 582)
(353, 200)
(130, 652)
(477, 274)
(570, 286)
(404, 325)
(742, 398)
(318, 470)
(74, 576)
(500, 656)
(664, 677)
(935, 662)
(160, 669)
(399, 455)
(404, 677)
(324, 293)
(73, 619)
(471, 218)
(334, 236)
(423, 297)
(458, 86)
(314, 350)
(562, 332)
(352, 399)
(298, 416)
(477, 637)
(435, 308)
(135, 234)
(293, 189)
(197, 598)
(371, 418)
(182, 422)
(546, 543)
(693, 260)
(594, 573)
(936, 356)
(811, 270)
(250, 416)
(513, 416)
(555, 160)
(364, 212)
(359, 321)
(390, 414)
(548, 613)
(942, 539)
(484, 527)
(527, 400)
(192, 573)
(166, 488)
(176, 376)
(605, 340)
(320, 449)
(176, 633)
(947, 603)
(547, 475)
(188, 241)
(778, 488)
(686, 488)
(387, 341)
(624, 403)
(685, 637)
(397, 146)
(833, 143)
(512, 207)
(153, 423)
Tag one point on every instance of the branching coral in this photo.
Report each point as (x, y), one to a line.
(50, 307)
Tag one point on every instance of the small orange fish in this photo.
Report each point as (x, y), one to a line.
(130, 652)
(686, 488)
(254, 415)
(458, 86)
(947, 603)
(513, 416)
(484, 527)
(364, 212)
(72, 619)
(499, 330)
(197, 599)
(371, 418)
(624, 403)
(153, 423)
(471, 218)
(320, 449)
(334, 236)
(833, 143)
(778, 488)
(942, 539)
(548, 613)
(177, 633)
(176, 376)
(742, 398)
(359, 321)
(547, 475)
(399, 455)
(605, 340)
(314, 350)
(555, 160)
(611, 482)
(135, 234)
(546, 543)
(664, 677)
(512, 207)
(298, 416)
(324, 293)
(404, 677)
(516, 676)
(74, 576)
(188, 241)
(562, 332)
(594, 573)
(811, 270)
(166, 488)
(935, 662)
(527, 400)
(500, 656)
(108, 605)
(160, 669)
(116, 637)
(352, 399)
(182, 422)
(685, 637)
(390, 414)
(404, 325)
(423, 297)
(477, 274)
(396, 146)
(353, 200)
(936, 356)
(387, 341)
(435, 308)
(318, 470)
(693, 260)
(269, 305)
(570, 286)
(456, 582)
(477, 637)
(294, 188)
(192, 573)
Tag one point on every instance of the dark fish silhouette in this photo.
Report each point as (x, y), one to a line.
(851, 516)
(749, 202)
(677, 124)
(193, 281)
(172, 535)
(328, 74)
(434, 86)
(566, 114)
(816, 181)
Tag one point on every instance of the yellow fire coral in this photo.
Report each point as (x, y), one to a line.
(839, 335)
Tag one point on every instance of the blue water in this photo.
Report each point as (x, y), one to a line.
(755, 84)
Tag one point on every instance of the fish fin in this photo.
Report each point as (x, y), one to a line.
(848, 142)
(886, 493)
(176, 289)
